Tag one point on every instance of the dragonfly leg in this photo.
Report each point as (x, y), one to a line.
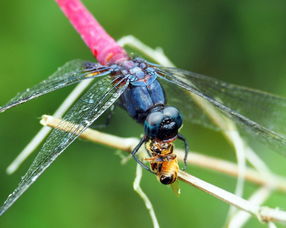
(187, 149)
(148, 152)
(136, 149)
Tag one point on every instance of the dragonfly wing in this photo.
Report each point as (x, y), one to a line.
(261, 114)
(192, 112)
(85, 111)
(70, 73)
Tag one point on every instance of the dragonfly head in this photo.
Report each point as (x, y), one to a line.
(163, 123)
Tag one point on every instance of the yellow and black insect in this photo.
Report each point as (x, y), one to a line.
(163, 161)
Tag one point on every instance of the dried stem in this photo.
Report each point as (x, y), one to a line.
(241, 217)
(264, 214)
(148, 204)
(197, 159)
(243, 152)
(42, 134)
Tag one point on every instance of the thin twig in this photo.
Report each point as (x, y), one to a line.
(239, 146)
(263, 213)
(271, 225)
(231, 169)
(197, 159)
(147, 202)
(228, 127)
(42, 134)
(241, 217)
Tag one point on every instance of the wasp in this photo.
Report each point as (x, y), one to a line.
(163, 162)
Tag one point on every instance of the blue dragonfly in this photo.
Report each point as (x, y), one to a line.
(139, 87)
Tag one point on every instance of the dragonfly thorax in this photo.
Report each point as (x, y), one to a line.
(138, 72)
(162, 123)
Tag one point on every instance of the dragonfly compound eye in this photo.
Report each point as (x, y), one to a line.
(173, 114)
(152, 124)
(163, 124)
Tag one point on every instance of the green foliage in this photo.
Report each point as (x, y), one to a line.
(240, 42)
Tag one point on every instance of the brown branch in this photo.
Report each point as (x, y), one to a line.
(197, 159)
(127, 144)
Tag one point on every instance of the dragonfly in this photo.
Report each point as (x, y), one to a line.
(136, 85)
(158, 97)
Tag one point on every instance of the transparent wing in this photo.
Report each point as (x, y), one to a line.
(191, 111)
(70, 73)
(86, 110)
(261, 114)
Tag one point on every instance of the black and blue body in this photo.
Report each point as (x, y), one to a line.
(145, 101)
(138, 100)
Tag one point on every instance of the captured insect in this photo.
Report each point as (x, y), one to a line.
(163, 161)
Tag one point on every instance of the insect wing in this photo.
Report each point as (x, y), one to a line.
(70, 73)
(261, 114)
(191, 111)
(176, 188)
(85, 111)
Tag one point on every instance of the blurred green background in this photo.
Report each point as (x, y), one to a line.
(242, 42)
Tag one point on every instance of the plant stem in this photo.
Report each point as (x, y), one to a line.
(197, 159)
(264, 214)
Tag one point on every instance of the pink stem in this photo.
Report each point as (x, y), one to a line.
(102, 45)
